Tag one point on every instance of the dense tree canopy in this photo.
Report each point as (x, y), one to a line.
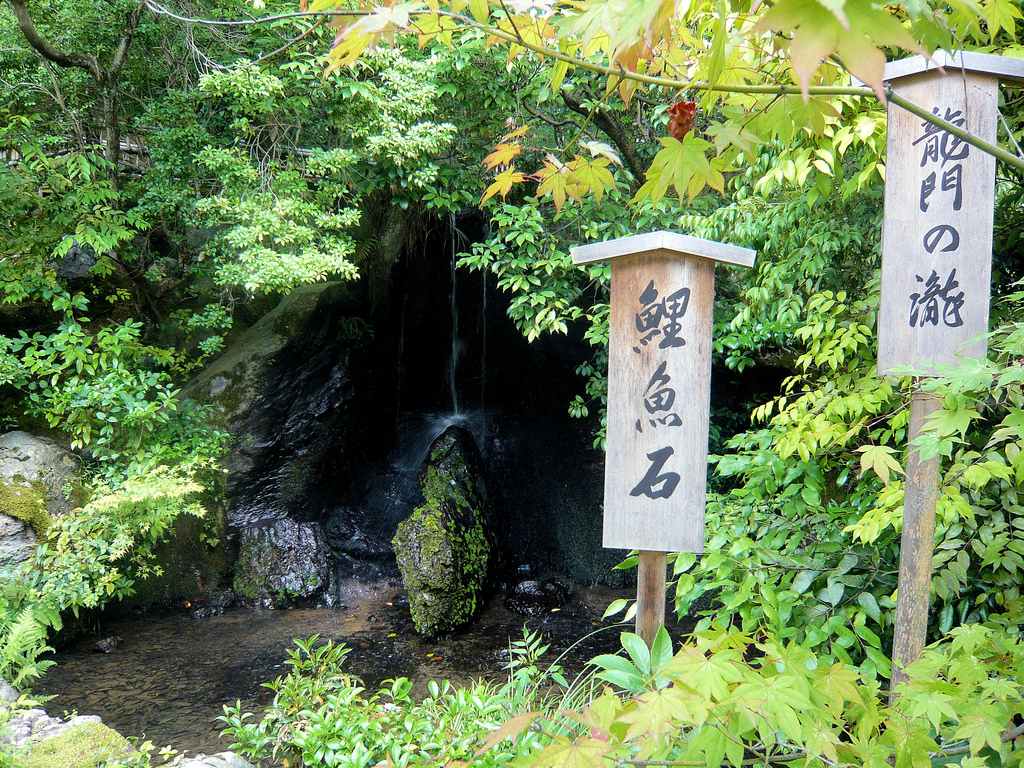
(190, 157)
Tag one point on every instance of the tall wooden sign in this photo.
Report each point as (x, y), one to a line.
(659, 390)
(936, 272)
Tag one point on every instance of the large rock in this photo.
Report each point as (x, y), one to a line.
(38, 480)
(282, 562)
(284, 390)
(444, 548)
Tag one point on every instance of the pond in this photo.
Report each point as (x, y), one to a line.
(171, 674)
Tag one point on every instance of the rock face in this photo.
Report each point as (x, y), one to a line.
(444, 549)
(284, 390)
(37, 481)
(284, 562)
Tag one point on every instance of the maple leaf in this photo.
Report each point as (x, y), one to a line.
(658, 713)
(510, 729)
(851, 29)
(503, 154)
(591, 176)
(683, 166)
(582, 753)
(554, 183)
(880, 459)
(502, 184)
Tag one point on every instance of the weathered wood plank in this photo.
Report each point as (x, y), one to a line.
(681, 245)
(650, 594)
(659, 392)
(917, 543)
(937, 230)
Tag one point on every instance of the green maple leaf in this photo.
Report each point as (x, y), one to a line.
(910, 742)
(880, 459)
(682, 165)
(853, 29)
(658, 713)
(710, 676)
(980, 729)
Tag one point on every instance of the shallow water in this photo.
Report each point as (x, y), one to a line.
(171, 674)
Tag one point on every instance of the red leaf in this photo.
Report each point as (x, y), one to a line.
(681, 119)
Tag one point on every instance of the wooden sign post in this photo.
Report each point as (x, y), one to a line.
(659, 392)
(936, 270)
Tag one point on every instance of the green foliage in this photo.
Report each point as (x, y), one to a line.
(321, 716)
(95, 553)
(726, 698)
(22, 641)
(94, 386)
(48, 203)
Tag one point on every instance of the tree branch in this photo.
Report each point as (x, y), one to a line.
(130, 25)
(82, 61)
(615, 131)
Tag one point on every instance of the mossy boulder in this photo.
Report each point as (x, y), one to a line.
(81, 746)
(444, 548)
(282, 563)
(38, 480)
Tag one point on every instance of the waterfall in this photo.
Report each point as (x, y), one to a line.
(454, 361)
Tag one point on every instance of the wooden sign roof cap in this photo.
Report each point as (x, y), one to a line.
(1005, 68)
(662, 241)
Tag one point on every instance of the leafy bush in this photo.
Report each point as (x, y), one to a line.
(728, 698)
(321, 716)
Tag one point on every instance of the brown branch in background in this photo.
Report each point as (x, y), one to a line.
(615, 131)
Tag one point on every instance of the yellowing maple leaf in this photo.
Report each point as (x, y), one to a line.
(879, 458)
(853, 30)
(503, 154)
(502, 184)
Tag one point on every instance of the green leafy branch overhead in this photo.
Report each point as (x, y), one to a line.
(760, 72)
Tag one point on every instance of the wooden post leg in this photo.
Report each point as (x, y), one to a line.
(650, 594)
(916, 544)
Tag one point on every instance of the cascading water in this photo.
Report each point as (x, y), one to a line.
(425, 408)
(453, 362)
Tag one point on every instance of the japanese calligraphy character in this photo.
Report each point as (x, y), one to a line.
(662, 397)
(659, 397)
(951, 180)
(924, 306)
(661, 317)
(927, 187)
(655, 485)
(933, 238)
(648, 319)
(946, 146)
(675, 309)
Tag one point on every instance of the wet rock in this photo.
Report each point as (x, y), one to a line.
(444, 548)
(282, 562)
(76, 262)
(8, 694)
(220, 760)
(109, 644)
(533, 597)
(35, 725)
(38, 479)
(284, 390)
(17, 539)
(42, 465)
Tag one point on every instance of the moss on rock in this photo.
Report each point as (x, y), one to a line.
(443, 547)
(82, 746)
(26, 501)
